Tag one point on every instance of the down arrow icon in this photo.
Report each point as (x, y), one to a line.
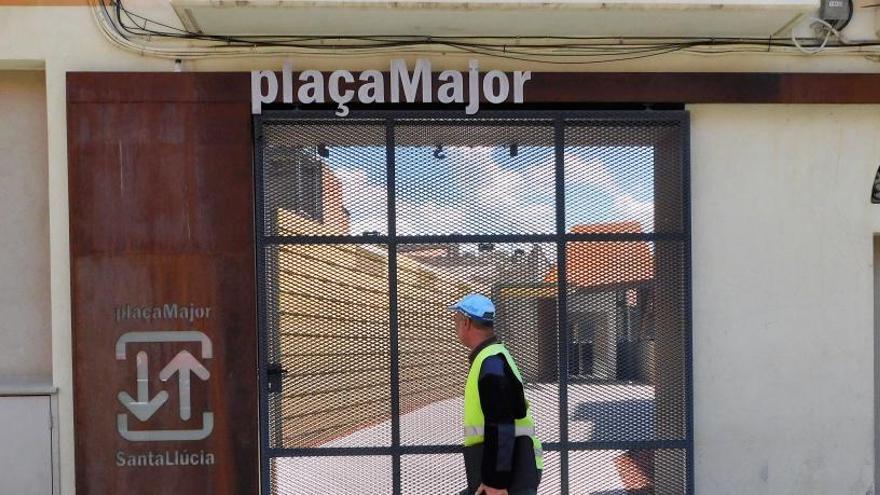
(183, 364)
(144, 407)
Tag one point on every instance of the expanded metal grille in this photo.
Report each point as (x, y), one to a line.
(320, 475)
(576, 224)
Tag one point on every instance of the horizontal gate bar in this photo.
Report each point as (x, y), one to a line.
(361, 451)
(471, 238)
(457, 449)
(620, 445)
(488, 117)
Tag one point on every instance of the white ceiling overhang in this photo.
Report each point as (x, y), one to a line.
(601, 18)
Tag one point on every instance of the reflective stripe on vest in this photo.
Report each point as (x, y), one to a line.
(519, 431)
(474, 421)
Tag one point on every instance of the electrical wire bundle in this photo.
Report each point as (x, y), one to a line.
(145, 36)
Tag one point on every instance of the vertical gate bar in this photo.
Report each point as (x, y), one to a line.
(561, 299)
(262, 339)
(684, 129)
(392, 305)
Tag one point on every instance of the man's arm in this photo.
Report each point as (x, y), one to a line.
(502, 401)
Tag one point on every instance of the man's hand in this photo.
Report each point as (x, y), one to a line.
(488, 490)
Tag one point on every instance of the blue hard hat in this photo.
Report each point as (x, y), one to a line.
(477, 307)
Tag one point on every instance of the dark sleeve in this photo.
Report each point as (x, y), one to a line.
(502, 400)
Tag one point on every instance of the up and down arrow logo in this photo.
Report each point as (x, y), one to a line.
(184, 365)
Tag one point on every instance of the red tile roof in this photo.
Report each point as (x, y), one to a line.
(591, 264)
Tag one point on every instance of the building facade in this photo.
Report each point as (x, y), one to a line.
(717, 332)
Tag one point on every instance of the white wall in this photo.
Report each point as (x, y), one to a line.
(876, 355)
(26, 441)
(782, 257)
(25, 445)
(25, 326)
(783, 298)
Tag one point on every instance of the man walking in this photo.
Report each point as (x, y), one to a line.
(502, 454)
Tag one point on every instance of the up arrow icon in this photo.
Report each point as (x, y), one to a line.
(183, 364)
(144, 407)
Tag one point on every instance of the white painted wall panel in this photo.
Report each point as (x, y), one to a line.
(25, 446)
(25, 322)
(783, 298)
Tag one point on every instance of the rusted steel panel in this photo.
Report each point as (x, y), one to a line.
(162, 261)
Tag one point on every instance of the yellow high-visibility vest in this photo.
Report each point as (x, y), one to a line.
(475, 421)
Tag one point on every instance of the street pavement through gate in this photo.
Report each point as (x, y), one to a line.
(593, 417)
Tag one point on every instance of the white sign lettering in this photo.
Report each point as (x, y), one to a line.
(405, 86)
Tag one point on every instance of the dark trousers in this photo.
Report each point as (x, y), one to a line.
(526, 477)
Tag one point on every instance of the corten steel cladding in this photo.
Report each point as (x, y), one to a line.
(577, 225)
(162, 285)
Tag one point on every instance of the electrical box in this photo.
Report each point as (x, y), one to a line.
(834, 10)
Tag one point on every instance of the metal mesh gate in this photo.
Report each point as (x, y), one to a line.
(576, 224)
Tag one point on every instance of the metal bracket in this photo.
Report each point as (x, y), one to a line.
(275, 373)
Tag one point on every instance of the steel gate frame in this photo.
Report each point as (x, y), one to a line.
(391, 240)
